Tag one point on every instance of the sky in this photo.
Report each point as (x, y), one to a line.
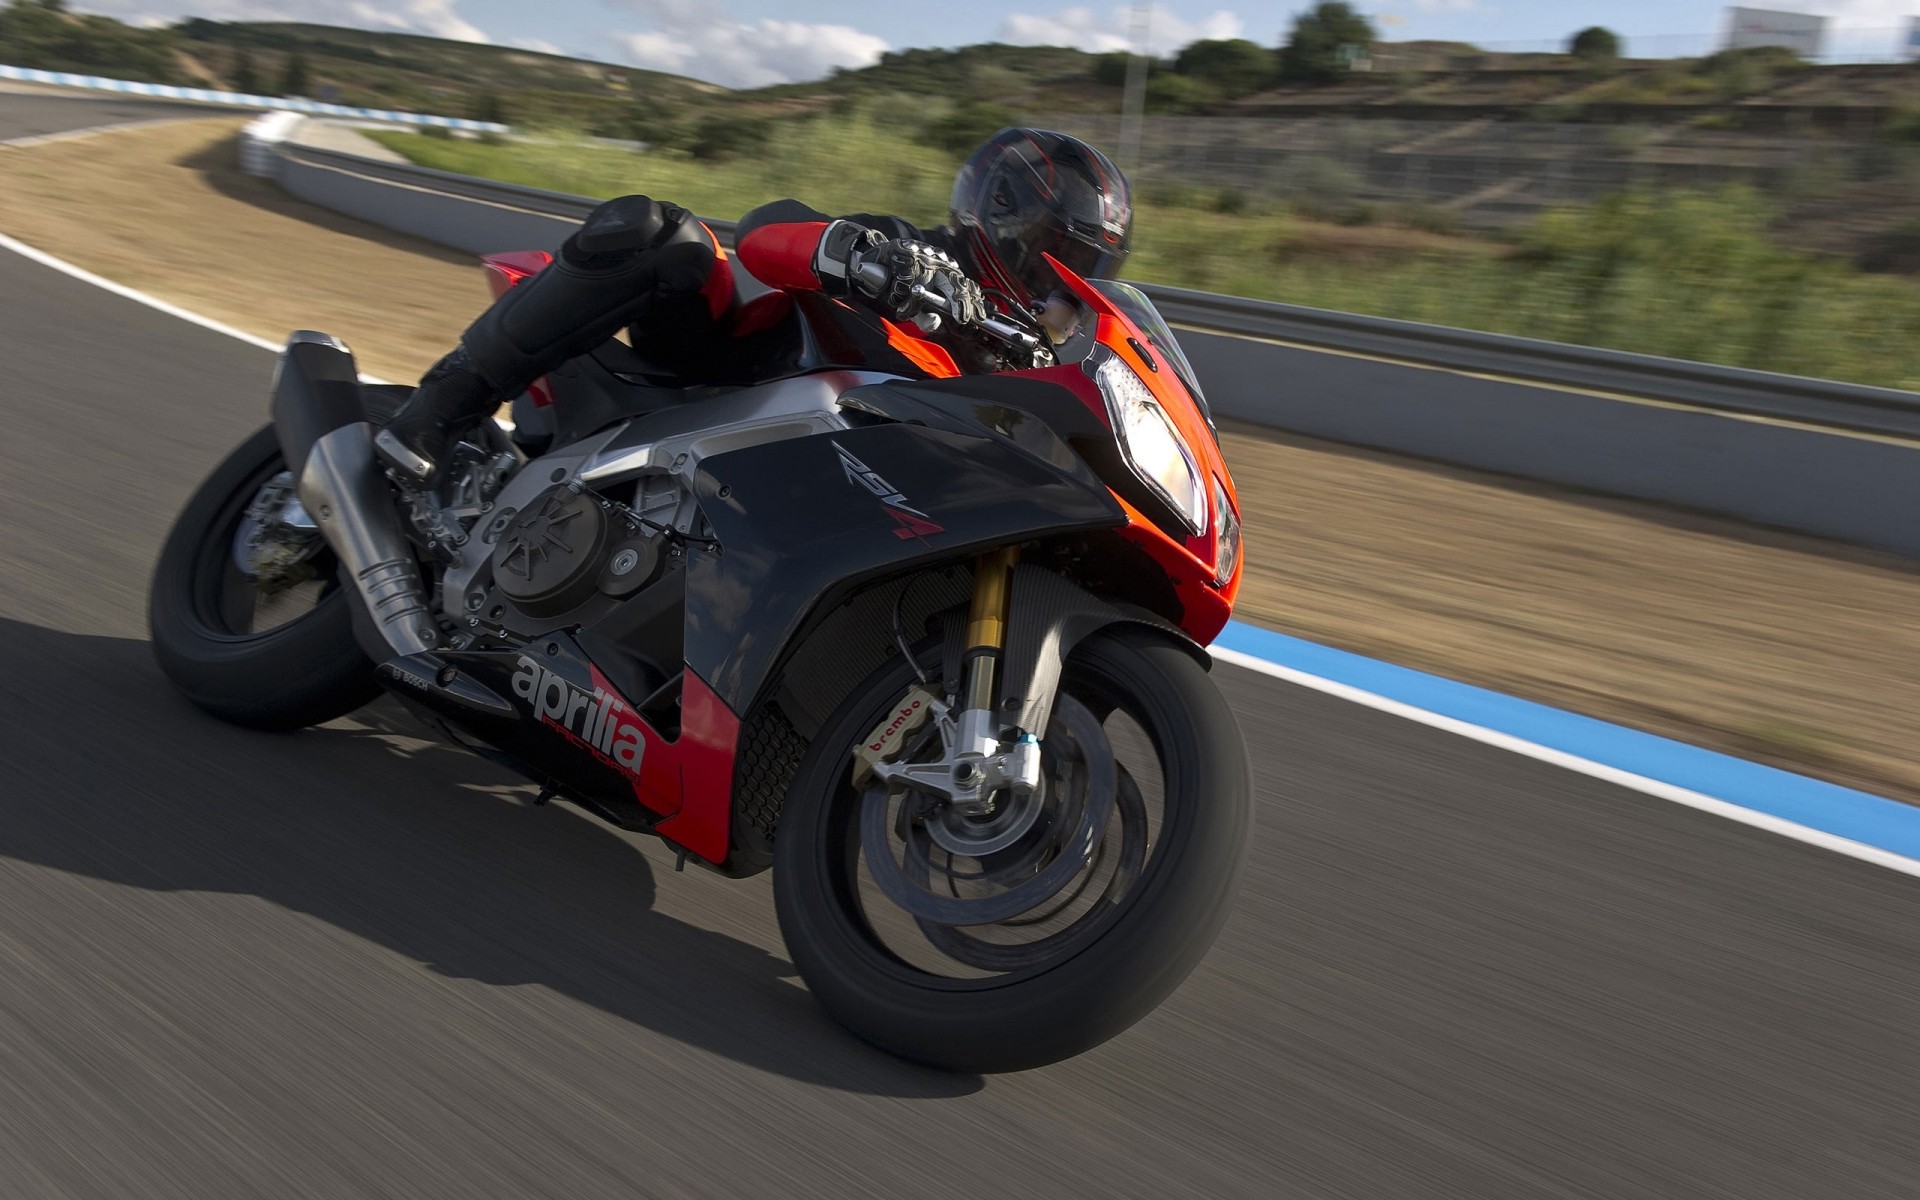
(751, 43)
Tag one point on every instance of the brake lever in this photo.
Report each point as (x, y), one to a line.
(1006, 331)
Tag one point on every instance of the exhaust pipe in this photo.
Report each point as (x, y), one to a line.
(328, 444)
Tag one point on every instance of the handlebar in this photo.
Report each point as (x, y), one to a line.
(1006, 331)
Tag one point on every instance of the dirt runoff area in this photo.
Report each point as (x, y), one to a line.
(1786, 649)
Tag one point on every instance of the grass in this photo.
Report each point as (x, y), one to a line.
(1693, 276)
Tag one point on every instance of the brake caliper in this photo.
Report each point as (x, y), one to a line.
(891, 734)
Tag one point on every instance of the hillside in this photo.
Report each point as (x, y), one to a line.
(1440, 136)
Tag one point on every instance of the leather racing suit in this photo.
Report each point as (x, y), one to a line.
(654, 269)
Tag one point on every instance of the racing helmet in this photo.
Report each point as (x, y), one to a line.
(1027, 193)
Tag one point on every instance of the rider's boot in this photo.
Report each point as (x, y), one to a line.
(451, 399)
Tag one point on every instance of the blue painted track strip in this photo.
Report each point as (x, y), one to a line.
(1842, 812)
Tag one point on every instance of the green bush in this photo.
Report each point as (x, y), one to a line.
(963, 129)
(1232, 66)
(1175, 94)
(722, 138)
(1733, 74)
(1901, 125)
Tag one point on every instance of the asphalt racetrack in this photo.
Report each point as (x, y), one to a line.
(349, 962)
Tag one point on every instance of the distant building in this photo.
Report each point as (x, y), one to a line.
(1802, 33)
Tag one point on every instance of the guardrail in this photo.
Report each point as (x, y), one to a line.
(1814, 402)
(1831, 459)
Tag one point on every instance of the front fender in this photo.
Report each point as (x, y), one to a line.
(804, 521)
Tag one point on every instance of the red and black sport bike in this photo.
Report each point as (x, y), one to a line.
(927, 644)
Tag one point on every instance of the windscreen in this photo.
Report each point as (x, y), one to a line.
(1140, 310)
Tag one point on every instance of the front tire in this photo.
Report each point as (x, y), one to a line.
(205, 628)
(1009, 1008)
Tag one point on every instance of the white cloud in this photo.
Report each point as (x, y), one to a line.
(435, 18)
(706, 42)
(1111, 28)
(1857, 14)
(1446, 5)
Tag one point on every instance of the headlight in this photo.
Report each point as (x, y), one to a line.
(1152, 445)
(1227, 549)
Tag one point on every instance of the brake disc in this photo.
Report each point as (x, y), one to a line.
(1071, 844)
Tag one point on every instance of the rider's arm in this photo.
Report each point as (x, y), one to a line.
(780, 244)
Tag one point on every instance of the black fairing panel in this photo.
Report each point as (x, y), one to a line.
(1031, 410)
(797, 527)
(1040, 411)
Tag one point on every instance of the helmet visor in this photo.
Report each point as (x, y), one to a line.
(1084, 258)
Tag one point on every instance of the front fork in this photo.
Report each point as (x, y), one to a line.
(975, 767)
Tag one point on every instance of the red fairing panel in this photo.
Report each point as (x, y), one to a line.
(506, 270)
(709, 739)
(1190, 563)
(688, 781)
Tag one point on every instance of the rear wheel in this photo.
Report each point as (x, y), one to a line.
(1021, 937)
(246, 612)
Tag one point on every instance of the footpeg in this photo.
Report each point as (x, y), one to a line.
(394, 454)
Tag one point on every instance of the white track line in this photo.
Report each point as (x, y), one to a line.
(1573, 762)
(74, 135)
(139, 297)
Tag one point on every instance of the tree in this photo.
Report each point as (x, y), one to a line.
(1235, 66)
(298, 78)
(245, 76)
(1110, 69)
(1595, 44)
(488, 106)
(1323, 43)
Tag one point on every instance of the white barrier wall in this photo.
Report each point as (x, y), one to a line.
(163, 91)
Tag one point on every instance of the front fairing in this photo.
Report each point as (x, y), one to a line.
(1125, 325)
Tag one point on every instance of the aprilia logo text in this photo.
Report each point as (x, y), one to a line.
(913, 523)
(599, 719)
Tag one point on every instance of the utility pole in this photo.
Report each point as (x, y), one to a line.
(1133, 105)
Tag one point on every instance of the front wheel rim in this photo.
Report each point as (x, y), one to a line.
(1098, 871)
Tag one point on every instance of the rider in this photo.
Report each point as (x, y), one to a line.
(653, 268)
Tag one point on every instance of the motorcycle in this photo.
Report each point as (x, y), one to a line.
(926, 644)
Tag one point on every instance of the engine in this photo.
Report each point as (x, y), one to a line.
(565, 549)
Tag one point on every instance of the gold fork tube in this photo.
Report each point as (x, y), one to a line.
(987, 617)
(987, 621)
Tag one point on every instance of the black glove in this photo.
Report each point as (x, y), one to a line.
(885, 272)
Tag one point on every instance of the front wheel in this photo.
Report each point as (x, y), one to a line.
(1009, 940)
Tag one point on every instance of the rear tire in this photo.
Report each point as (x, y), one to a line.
(305, 672)
(1097, 985)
